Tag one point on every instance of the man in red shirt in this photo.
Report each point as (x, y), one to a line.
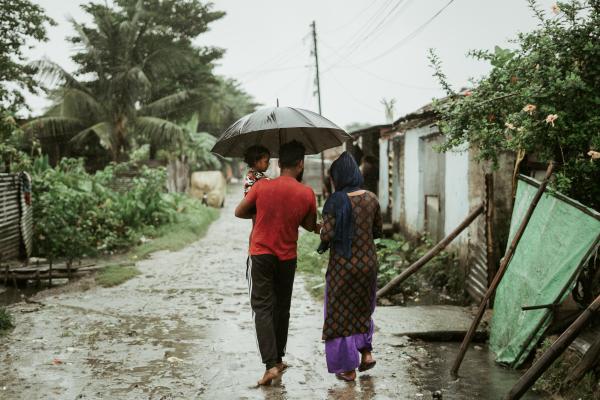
(282, 205)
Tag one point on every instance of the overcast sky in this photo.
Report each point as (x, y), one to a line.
(368, 50)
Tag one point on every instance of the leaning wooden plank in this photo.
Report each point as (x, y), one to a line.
(420, 263)
(444, 336)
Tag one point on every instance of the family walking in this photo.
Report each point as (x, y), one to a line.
(350, 223)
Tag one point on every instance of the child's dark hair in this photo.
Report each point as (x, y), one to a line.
(255, 153)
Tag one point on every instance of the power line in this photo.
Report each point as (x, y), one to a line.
(391, 15)
(403, 84)
(366, 26)
(395, 11)
(279, 58)
(264, 73)
(351, 21)
(409, 37)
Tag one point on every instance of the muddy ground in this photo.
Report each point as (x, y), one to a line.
(183, 330)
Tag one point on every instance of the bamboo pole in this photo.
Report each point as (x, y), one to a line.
(557, 348)
(417, 265)
(501, 270)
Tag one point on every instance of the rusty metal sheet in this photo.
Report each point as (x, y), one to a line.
(12, 221)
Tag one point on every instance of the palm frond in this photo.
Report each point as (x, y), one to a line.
(169, 104)
(102, 130)
(89, 46)
(54, 74)
(160, 131)
(55, 126)
(79, 104)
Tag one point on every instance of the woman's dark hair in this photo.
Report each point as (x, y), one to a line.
(255, 153)
(291, 153)
(345, 172)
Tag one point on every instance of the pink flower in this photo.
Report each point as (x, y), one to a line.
(595, 155)
(529, 108)
(468, 93)
(555, 9)
(551, 118)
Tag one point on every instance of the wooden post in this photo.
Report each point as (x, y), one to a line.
(503, 265)
(490, 246)
(50, 273)
(417, 265)
(557, 348)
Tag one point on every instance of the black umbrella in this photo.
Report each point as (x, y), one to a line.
(271, 127)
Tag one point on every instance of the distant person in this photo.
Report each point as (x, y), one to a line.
(282, 205)
(370, 171)
(351, 222)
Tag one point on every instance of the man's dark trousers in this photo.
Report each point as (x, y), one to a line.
(271, 282)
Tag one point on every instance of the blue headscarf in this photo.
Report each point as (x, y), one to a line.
(346, 178)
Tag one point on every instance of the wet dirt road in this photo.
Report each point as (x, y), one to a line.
(183, 330)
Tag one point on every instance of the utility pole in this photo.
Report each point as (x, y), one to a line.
(318, 84)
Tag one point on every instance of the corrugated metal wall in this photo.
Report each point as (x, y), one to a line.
(16, 219)
(477, 274)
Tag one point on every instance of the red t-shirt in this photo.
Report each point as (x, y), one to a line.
(281, 206)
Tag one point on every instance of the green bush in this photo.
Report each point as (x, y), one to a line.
(6, 321)
(394, 256)
(78, 214)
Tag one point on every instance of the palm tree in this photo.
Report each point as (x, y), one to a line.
(115, 100)
(188, 153)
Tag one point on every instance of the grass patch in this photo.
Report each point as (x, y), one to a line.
(114, 275)
(188, 226)
(6, 321)
(312, 264)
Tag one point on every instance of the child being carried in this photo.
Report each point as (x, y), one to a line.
(257, 158)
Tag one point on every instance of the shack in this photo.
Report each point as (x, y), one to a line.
(425, 192)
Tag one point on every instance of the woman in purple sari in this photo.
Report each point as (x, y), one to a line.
(351, 222)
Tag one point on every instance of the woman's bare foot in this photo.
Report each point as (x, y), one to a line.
(366, 362)
(270, 374)
(366, 358)
(348, 376)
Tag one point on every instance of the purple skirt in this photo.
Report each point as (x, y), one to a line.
(343, 353)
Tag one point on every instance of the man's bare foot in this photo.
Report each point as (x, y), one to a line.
(348, 376)
(270, 374)
(281, 366)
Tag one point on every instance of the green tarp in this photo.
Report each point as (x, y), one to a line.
(557, 241)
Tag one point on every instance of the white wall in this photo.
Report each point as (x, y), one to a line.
(457, 191)
(413, 177)
(383, 175)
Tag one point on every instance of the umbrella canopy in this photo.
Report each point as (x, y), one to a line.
(274, 126)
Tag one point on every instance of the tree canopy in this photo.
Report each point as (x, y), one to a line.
(20, 22)
(139, 73)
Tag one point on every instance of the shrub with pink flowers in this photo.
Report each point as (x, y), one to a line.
(540, 98)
